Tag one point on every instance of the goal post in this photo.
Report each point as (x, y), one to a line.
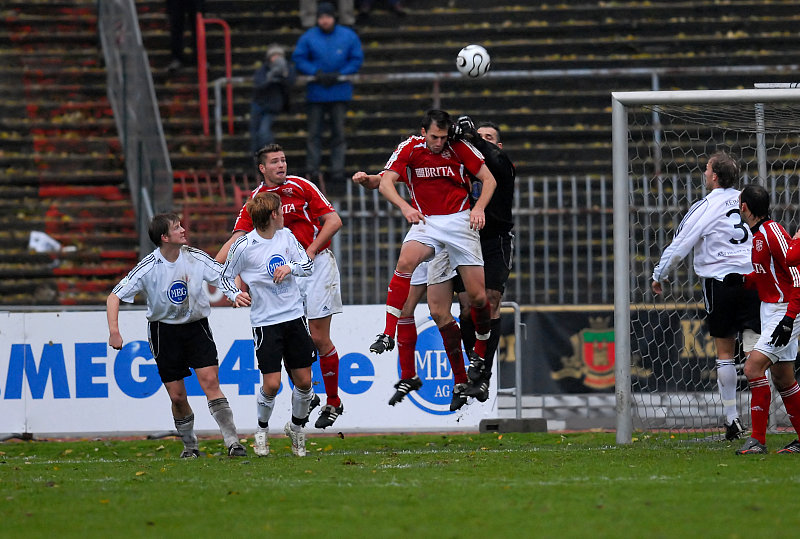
(661, 140)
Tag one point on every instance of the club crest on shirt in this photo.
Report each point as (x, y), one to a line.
(274, 262)
(758, 245)
(178, 292)
(287, 191)
(446, 154)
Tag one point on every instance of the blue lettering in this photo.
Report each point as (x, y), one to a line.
(86, 370)
(145, 381)
(247, 377)
(356, 373)
(22, 362)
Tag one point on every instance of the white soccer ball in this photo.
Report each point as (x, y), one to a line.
(473, 61)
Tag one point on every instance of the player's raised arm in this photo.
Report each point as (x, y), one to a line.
(368, 181)
(389, 192)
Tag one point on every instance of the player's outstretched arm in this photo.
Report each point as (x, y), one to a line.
(389, 192)
(368, 181)
(112, 314)
(223, 252)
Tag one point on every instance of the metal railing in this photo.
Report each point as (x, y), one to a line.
(133, 99)
(654, 74)
(562, 247)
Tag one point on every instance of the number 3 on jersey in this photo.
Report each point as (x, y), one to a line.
(741, 226)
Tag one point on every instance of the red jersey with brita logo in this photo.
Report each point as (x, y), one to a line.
(438, 183)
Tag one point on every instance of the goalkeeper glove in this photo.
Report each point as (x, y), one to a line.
(783, 331)
(733, 280)
(327, 79)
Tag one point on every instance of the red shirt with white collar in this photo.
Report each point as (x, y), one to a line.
(303, 204)
(776, 280)
(438, 183)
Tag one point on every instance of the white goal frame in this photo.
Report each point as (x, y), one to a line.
(620, 101)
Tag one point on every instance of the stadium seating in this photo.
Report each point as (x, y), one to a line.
(61, 166)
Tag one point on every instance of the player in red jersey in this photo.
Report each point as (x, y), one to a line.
(778, 283)
(435, 169)
(313, 221)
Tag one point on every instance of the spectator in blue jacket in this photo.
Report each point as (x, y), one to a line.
(327, 52)
(271, 84)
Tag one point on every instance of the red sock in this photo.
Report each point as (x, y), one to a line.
(791, 400)
(395, 299)
(760, 395)
(406, 346)
(329, 364)
(451, 337)
(482, 318)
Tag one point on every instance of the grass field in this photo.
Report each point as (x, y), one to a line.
(433, 485)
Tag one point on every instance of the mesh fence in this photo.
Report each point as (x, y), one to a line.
(673, 357)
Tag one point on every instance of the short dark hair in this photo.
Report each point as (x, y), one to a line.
(757, 200)
(725, 167)
(261, 207)
(160, 225)
(269, 148)
(438, 117)
(490, 125)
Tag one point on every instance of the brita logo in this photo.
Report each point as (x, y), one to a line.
(433, 368)
(178, 292)
(275, 262)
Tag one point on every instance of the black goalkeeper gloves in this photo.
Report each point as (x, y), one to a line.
(463, 129)
(733, 280)
(783, 331)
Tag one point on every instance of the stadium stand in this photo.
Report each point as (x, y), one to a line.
(61, 169)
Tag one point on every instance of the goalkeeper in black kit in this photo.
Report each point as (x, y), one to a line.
(497, 244)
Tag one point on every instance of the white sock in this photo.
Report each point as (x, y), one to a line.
(726, 382)
(264, 406)
(185, 427)
(223, 415)
(301, 399)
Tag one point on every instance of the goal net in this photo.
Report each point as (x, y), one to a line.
(665, 359)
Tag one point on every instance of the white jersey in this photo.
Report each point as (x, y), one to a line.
(254, 259)
(714, 229)
(174, 290)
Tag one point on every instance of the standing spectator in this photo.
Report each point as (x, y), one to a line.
(326, 52)
(713, 229)
(279, 329)
(177, 313)
(308, 12)
(441, 220)
(271, 84)
(777, 280)
(497, 246)
(314, 221)
(178, 11)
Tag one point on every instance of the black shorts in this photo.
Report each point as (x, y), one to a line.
(287, 341)
(497, 260)
(176, 347)
(730, 310)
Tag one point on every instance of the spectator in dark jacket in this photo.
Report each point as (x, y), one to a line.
(327, 52)
(271, 84)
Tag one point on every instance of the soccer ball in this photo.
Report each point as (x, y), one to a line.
(473, 61)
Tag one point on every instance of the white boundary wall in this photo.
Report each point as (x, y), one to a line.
(58, 376)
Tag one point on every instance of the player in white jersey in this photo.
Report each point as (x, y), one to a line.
(269, 259)
(177, 312)
(721, 242)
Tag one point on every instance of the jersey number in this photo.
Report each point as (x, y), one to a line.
(741, 226)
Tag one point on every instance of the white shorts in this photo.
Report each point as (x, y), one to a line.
(322, 290)
(771, 314)
(452, 234)
(434, 271)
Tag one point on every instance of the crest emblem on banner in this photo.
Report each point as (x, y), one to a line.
(593, 357)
